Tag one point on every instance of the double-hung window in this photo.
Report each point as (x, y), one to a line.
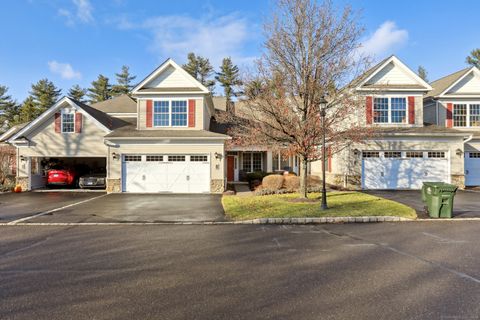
(390, 110)
(466, 115)
(170, 113)
(179, 113)
(68, 121)
(460, 115)
(252, 161)
(161, 113)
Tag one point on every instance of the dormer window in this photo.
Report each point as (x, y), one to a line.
(68, 121)
(170, 113)
(390, 110)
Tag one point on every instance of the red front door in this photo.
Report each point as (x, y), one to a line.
(230, 168)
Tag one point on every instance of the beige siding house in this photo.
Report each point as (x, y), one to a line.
(403, 151)
(159, 141)
(164, 137)
(454, 102)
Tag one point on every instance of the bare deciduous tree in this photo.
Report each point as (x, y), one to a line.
(311, 51)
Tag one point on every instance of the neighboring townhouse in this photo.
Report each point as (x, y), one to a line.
(159, 141)
(454, 102)
(8, 153)
(402, 152)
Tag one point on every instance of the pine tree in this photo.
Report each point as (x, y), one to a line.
(124, 80)
(28, 110)
(229, 79)
(100, 90)
(192, 65)
(44, 94)
(422, 73)
(8, 108)
(201, 69)
(77, 93)
(474, 58)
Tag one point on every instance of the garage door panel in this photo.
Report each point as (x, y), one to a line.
(402, 173)
(472, 169)
(177, 176)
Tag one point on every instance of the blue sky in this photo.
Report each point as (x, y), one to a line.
(72, 41)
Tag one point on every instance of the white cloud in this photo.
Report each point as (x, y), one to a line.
(209, 36)
(384, 40)
(83, 12)
(65, 70)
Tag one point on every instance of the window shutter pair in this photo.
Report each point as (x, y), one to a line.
(191, 113)
(78, 122)
(411, 109)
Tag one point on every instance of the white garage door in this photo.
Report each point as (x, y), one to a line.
(166, 173)
(472, 168)
(403, 169)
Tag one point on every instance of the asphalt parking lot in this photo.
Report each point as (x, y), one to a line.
(419, 270)
(71, 207)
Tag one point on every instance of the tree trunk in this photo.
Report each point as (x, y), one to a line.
(303, 178)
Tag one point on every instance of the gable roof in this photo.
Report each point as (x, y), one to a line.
(360, 83)
(103, 120)
(13, 130)
(442, 85)
(121, 104)
(158, 71)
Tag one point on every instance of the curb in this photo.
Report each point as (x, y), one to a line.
(262, 221)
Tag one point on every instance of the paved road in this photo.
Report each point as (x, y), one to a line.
(364, 271)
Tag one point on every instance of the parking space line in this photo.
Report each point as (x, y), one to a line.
(53, 210)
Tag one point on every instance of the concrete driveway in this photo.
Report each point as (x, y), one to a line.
(465, 205)
(15, 206)
(142, 208)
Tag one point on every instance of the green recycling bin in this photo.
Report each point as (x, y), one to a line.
(438, 197)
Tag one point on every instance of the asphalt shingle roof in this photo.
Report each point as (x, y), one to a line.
(442, 84)
(121, 104)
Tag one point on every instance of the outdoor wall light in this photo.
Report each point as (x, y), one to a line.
(22, 158)
(459, 152)
(218, 156)
(356, 152)
(115, 156)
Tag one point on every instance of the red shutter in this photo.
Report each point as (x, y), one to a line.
(369, 109)
(149, 113)
(191, 113)
(411, 110)
(58, 123)
(449, 121)
(78, 122)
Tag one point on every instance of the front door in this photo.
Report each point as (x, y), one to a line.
(230, 168)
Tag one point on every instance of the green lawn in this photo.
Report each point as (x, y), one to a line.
(341, 204)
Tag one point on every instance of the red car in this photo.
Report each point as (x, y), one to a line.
(61, 177)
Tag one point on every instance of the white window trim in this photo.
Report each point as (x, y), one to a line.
(66, 111)
(169, 113)
(250, 170)
(389, 97)
(467, 123)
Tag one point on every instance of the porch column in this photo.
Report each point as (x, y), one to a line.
(269, 161)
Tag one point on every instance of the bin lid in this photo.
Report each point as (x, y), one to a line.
(441, 186)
